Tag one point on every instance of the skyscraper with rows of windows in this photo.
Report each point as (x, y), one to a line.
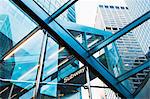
(136, 9)
(113, 17)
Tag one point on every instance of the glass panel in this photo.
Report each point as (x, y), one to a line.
(10, 19)
(50, 6)
(26, 93)
(49, 90)
(11, 90)
(58, 64)
(18, 91)
(93, 39)
(56, 56)
(68, 15)
(22, 66)
(126, 52)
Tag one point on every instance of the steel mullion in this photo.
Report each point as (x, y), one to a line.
(47, 20)
(65, 38)
(85, 57)
(133, 71)
(120, 33)
(72, 59)
(41, 66)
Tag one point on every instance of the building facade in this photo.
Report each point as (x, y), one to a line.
(112, 18)
(136, 9)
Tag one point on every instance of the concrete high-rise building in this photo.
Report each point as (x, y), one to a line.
(136, 9)
(112, 17)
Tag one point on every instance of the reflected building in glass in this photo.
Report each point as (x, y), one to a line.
(25, 61)
(6, 69)
(5, 44)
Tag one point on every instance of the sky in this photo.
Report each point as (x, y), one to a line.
(86, 10)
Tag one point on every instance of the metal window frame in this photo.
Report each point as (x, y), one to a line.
(65, 38)
(86, 57)
(47, 20)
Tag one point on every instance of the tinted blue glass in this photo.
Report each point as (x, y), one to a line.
(10, 19)
(23, 64)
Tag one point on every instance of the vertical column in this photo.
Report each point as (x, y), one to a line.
(84, 38)
(88, 82)
(36, 94)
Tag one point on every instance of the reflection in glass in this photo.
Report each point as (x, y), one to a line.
(10, 19)
(22, 66)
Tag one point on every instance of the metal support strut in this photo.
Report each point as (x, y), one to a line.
(40, 68)
(88, 82)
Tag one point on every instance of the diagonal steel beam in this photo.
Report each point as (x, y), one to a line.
(14, 49)
(47, 20)
(133, 71)
(120, 33)
(64, 37)
(111, 38)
